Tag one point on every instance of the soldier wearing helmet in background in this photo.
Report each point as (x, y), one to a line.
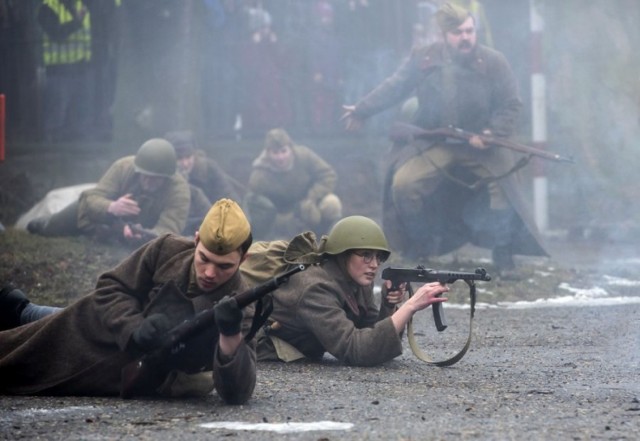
(330, 307)
(139, 197)
(290, 190)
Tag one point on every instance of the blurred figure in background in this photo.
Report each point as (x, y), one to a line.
(105, 42)
(324, 60)
(66, 56)
(265, 102)
(290, 190)
(207, 180)
(441, 193)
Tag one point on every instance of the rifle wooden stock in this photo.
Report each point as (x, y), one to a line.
(406, 132)
(145, 374)
(425, 275)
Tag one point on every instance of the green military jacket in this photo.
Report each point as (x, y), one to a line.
(311, 177)
(164, 211)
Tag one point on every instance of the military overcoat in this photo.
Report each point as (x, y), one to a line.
(82, 349)
(322, 310)
(478, 94)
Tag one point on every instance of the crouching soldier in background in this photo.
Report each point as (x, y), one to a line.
(290, 190)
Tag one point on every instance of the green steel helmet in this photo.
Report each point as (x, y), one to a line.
(156, 157)
(353, 233)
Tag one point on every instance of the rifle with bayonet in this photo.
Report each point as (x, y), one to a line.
(147, 373)
(425, 275)
(403, 132)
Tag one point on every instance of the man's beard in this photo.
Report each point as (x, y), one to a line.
(464, 57)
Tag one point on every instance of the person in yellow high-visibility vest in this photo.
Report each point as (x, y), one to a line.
(66, 56)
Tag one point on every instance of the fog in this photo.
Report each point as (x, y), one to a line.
(193, 64)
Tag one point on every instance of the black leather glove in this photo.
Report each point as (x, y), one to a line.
(150, 332)
(228, 316)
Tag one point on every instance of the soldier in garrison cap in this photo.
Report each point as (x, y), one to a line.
(441, 193)
(138, 197)
(81, 349)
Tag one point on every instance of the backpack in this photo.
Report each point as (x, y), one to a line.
(267, 259)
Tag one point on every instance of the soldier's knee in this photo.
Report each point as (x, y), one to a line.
(331, 208)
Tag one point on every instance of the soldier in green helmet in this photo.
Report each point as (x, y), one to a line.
(330, 307)
(141, 192)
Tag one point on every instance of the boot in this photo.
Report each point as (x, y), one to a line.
(12, 303)
(503, 261)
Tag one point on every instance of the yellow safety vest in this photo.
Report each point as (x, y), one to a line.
(77, 47)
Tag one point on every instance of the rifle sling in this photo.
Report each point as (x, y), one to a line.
(421, 355)
(262, 313)
(482, 181)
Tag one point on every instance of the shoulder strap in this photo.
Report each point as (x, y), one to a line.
(420, 354)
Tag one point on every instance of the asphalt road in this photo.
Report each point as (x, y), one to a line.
(542, 373)
(543, 369)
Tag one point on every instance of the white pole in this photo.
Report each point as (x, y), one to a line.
(538, 116)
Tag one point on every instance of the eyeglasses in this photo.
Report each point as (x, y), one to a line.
(367, 256)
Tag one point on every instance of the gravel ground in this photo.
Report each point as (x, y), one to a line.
(542, 372)
(546, 373)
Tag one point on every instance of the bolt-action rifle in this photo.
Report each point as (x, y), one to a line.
(406, 132)
(146, 374)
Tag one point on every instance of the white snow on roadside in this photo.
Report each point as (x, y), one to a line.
(279, 427)
(44, 411)
(594, 296)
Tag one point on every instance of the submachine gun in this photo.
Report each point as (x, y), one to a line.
(426, 275)
(146, 373)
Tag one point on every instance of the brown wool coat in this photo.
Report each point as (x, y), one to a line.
(164, 211)
(82, 349)
(212, 179)
(479, 95)
(310, 178)
(322, 310)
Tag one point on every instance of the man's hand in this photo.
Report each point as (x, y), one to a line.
(124, 206)
(228, 316)
(476, 140)
(150, 332)
(229, 319)
(352, 122)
